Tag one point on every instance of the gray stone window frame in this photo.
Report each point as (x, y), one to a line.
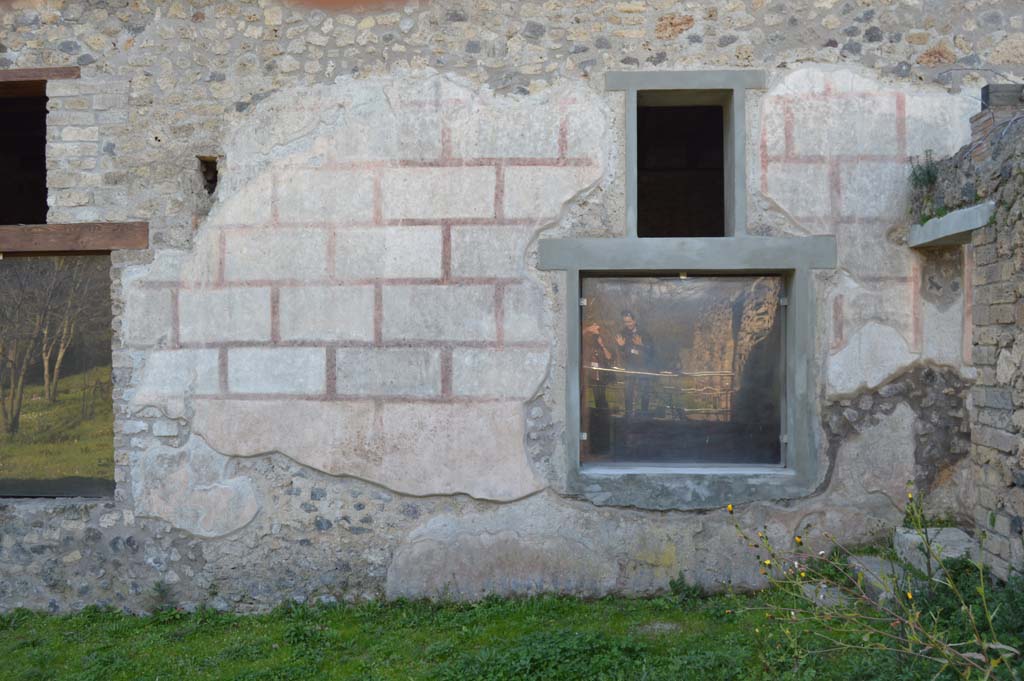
(699, 486)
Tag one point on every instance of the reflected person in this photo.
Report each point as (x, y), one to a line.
(636, 350)
(596, 355)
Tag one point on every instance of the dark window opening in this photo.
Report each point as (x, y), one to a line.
(680, 168)
(208, 170)
(23, 152)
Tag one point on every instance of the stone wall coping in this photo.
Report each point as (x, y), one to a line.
(746, 253)
(951, 229)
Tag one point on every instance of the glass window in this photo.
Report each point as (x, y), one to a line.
(56, 407)
(682, 370)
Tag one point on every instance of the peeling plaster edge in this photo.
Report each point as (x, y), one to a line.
(830, 398)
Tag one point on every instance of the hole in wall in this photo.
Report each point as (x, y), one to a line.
(208, 171)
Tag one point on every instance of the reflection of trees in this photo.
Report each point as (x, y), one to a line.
(728, 336)
(79, 283)
(47, 303)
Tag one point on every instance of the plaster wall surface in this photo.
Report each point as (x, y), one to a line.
(343, 375)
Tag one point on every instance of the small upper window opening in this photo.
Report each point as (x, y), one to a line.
(23, 152)
(681, 163)
(208, 170)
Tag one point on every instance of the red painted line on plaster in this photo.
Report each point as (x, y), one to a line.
(332, 254)
(385, 344)
(299, 283)
(390, 222)
(446, 143)
(499, 315)
(222, 367)
(480, 162)
(175, 318)
(835, 191)
(378, 200)
(446, 371)
(499, 194)
(383, 399)
(275, 315)
(331, 368)
(221, 256)
(446, 253)
(466, 222)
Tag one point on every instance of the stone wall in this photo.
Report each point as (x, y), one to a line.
(342, 376)
(997, 414)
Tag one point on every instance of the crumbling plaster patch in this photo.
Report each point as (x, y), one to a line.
(192, 489)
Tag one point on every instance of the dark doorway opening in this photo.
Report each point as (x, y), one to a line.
(680, 171)
(23, 152)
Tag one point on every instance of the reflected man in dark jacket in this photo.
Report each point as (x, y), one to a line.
(636, 352)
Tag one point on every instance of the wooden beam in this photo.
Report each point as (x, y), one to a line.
(78, 237)
(45, 73)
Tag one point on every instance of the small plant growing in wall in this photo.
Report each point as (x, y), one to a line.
(924, 174)
(954, 620)
(161, 598)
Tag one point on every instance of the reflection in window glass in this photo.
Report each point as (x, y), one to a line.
(56, 407)
(681, 370)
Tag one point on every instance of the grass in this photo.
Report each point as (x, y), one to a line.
(722, 637)
(54, 441)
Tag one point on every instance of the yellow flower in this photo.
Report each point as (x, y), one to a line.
(729, 509)
(768, 562)
(910, 495)
(798, 539)
(910, 596)
(803, 574)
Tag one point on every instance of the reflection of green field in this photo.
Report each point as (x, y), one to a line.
(55, 441)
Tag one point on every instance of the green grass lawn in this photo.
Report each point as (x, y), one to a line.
(724, 637)
(55, 441)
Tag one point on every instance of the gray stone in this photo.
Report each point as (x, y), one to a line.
(534, 30)
(880, 578)
(946, 543)
(824, 595)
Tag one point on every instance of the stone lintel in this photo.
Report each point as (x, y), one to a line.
(737, 79)
(952, 229)
(708, 254)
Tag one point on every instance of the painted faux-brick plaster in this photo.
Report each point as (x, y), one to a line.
(288, 294)
(162, 83)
